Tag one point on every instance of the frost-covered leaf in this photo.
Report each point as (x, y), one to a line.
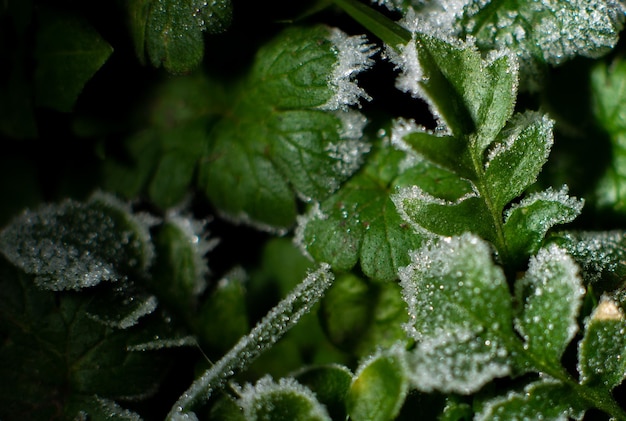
(550, 295)
(608, 91)
(74, 245)
(527, 222)
(289, 132)
(602, 352)
(265, 334)
(181, 266)
(379, 387)
(359, 223)
(548, 31)
(359, 316)
(472, 96)
(285, 400)
(460, 315)
(122, 306)
(69, 52)
(170, 33)
(517, 156)
(54, 354)
(98, 409)
(331, 384)
(544, 399)
(601, 254)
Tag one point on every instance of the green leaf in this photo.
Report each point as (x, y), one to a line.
(602, 352)
(550, 295)
(180, 269)
(517, 156)
(289, 132)
(601, 255)
(285, 400)
(359, 223)
(608, 92)
(173, 30)
(263, 336)
(527, 222)
(544, 399)
(472, 96)
(544, 32)
(54, 355)
(74, 245)
(331, 384)
(69, 52)
(379, 387)
(359, 316)
(460, 311)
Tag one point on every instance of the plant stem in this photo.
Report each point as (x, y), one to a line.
(380, 25)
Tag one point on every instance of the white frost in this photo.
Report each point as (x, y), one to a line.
(353, 56)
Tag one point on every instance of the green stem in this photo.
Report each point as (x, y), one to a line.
(380, 25)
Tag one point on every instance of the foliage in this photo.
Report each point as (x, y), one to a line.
(375, 253)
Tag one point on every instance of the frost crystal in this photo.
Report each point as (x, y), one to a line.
(353, 56)
(158, 343)
(74, 245)
(265, 334)
(261, 398)
(111, 410)
(138, 309)
(550, 195)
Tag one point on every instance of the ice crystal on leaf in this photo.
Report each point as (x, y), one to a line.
(75, 245)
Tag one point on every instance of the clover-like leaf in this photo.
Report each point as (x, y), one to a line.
(550, 295)
(379, 387)
(540, 32)
(359, 223)
(543, 399)
(289, 131)
(602, 352)
(69, 52)
(287, 399)
(460, 315)
(74, 245)
(170, 33)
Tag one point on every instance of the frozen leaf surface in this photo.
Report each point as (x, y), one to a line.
(551, 294)
(265, 334)
(359, 222)
(74, 245)
(285, 399)
(547, 31)
(545, 399)
(289, 132)
(331, 384)
(602, 352)
(170, 33)
(460, 315)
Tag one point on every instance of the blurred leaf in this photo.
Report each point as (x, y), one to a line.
(69, 52)
(331, 384)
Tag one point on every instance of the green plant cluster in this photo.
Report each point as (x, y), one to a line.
(317, 210)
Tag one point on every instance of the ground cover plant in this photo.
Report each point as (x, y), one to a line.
(315, 210)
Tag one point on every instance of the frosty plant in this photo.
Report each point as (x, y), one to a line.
(375, 261)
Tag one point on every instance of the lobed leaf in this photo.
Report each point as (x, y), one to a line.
(289, 132)
(460, 315)
(550, 295)
(359, 223)
(74, 245)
